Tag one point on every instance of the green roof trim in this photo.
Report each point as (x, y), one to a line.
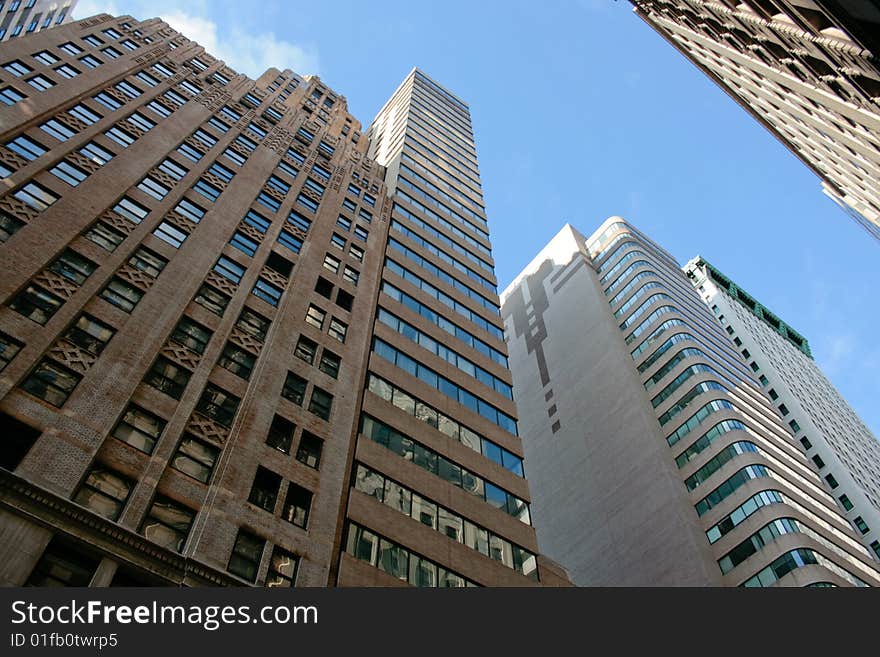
(757, 309)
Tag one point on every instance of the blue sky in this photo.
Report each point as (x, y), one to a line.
(581, 112)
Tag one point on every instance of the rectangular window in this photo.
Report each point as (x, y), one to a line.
(104, 491)
(278, 185)
(46, 57)
(267, 292)
(314, 186)
(90, 61)
(168, 377)
(289, 241)
(360, 233)
(96, 153)
(107, 101)
(264, 490)
(174, 98)
(218, 404)
(158, 109)
(84, 114)
(244, 243)
(40, 82)
(331, 263)
(195, 457)
(51, 382)
(120, 136)
(67, 71)
(337, 329)
(309, 450)
(307, 203)
(294, 389)
(167, 523)
(211, 298)
(350, 275)
(61, 131)
(70, 48)
(68, 173)
(218, 125)
(92, 40)
(148, 262)
(72, 266)
(280, 434)
(173, 169)
(321, 172)
(329, 363)
(286, 168)
(140, 121)
(153, 187)
(306, 350)
(258, 221)
(246, 556)
(189, 152)
(229, 269)
(315, 316)
(192, 335)
(253, 324)
(237, 360)
(111, 52)
(26, 147)
(321, 403)
(299, 221)
(9, 347)
(297, 505)
(190, 210)
(89, 334)
(282, 569)
(264, 199)
(131, 210)
(122, 294)
(235, 157)
(207, 190)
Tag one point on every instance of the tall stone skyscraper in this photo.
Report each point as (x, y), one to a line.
(842, 449)
(807, 70)
(192, 390)
(21, 17)
(654, 456)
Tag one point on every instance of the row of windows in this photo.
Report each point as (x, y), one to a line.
(449, 212)
(398, 561)
(793, 560)
(427, 342)
(470, 273)
(687, 352)
(655, 335)
(445, 424)
(429, 460)
(445, 386)
(452, 329)
(444, 276)
(704, 441)
(445, 521)
(442, 237)
(444, 298)
(685, 400)
(294, 390)
(436, 217)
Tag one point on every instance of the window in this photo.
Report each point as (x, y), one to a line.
(294, 389)
(131, 210)
(122, 294)
(127, 88)
(10, 96)
(806, 443)
(189, 152)
(67, 71)
(299, 221)
(68, 173)
(195, 457)
(168, 523)
(763, 380)
(211, 298)
(256, 130)
(365, 216)
(264, 199)
(344, 300)
(309, 450)
(321, 403)
(297, 505)
(229, 269)
(280, 434)
(168, 377)
(192, 335)
(40, 82)
(315, 316)
(45, 57)
(282, 568)
(338, 241)
(314, 186)
(818, 461)
(329, 363)
(207, 140)
(70, 48)
(62, 564)
(795, 427)
(331, 263)
(89, 334)
(9, 225)
(36, 196)
(96, 153)
(343, 222)
(861, 525)
(244, 243)
(289, 241)
(350, 275)
(844, 500)
(306, 349)
(59, 130)
(278, 185)
(307, 203)
(26, 147)
(247, 144)
(36, 304)
(218, 404)
(257, 221)
(235, 157)
(51, 382)
(104, 491)
(353, 190)
(832, 481)
(369, 200)
(356, 252)
(140, 121)
(246, 556)
(93, 40)
(321, 172)
(107, 101)
(9, 347)
(112, 53)
(237, 360)
(324, 287)
(773, 394)
(154, 188)
(85, 115)
(207, 190)
(264, 490)
(190, 210)
(267, 292)
(783, 409)
(253, 324)
(139, 429)
(91, 61)
(337, 329)
(148, 262)
(218, 125)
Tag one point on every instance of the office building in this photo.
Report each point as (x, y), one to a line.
(21, 17)
(841, 448)
(191, 390)
(807, 70)
(653, 454)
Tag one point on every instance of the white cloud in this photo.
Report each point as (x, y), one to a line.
(248, 53)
